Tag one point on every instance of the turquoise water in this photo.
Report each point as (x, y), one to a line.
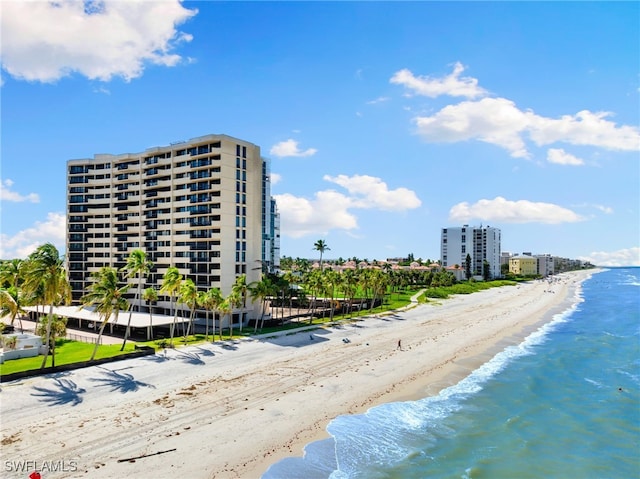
(563, 404)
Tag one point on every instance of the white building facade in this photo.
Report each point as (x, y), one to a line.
(481, 243)
(545, 264)
(202, 205)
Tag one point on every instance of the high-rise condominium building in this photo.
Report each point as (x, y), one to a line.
(482, 244)
(203, 206)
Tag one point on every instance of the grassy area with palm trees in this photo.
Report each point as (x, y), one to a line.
(67, 352)
(299, 296)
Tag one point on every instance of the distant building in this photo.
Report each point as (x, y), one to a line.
(504, 258)
(523, 265)
(458, 273)
(270, 225)
(545, 265)
(481, 243)
(566, 264)
(203, 206)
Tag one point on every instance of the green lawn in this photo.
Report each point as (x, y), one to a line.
(465, 288)
(67, 352)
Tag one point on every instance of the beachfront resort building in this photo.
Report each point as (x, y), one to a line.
(481, 243)
(202, 205)
(531, 264)
(523, 265)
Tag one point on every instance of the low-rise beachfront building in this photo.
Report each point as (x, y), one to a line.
(458, 272)
(202, 205)
(482, 244)
(523, 265)
(545, 265)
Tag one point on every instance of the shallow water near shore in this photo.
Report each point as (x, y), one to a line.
(564, 403)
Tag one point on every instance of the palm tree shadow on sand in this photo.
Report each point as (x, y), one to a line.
(118, 381)
(157, 358)
(205, 352)
(190, 358)
(65, 392)
(230, 345)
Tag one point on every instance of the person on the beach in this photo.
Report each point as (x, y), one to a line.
(399, 344)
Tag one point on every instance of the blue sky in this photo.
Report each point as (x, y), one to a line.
(383, 121)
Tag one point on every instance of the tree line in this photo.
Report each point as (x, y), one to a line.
(41, 280)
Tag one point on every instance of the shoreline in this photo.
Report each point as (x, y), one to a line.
(232, 411)
(451, 373)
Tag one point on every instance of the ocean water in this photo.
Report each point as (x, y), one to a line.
(563, 404)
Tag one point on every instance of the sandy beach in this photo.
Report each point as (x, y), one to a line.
(231, 410)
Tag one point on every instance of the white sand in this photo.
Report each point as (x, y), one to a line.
(231, 412)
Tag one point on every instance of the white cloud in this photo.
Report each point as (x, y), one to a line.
(605, 209)
(561, 157)
(623, 257)
(275, 178)
(584, 128)
(371, 192)
(6, 194)
(102, 90)
(380, 99)
(498, 121)
(330, 210)
(500, 210)
(290, 148)
(492, 120)
(327, 211)
(452, 84)
(23, 243)
(602, 208)
(45, 41)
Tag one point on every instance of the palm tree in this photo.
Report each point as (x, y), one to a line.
(57, 329)
(211, 301)
(188, 295)
(321, 246)
(302, 265)
(380, 282)
(292, 287)
(240, 289)
(226, 308)
(261, 290)
(349, 286)
(45, 275)
(281, 286)
(170, 285)
(314, 283)
(106, 297)
(11, 304)
(150, 295)
(365, 281)
(137, 265)
(331, 280)
(11, 273)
